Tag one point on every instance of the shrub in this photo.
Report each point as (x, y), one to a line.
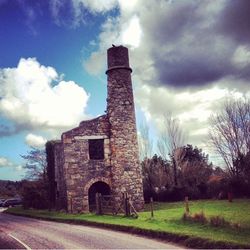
(200, 217)
(148, 193)
(217, 186)
(192, 192)
(214, 221)
(197, 217)
(35, 195)
(239, 187)
(218, 221)
(173, 194)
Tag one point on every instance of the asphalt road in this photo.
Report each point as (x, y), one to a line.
(27, 233)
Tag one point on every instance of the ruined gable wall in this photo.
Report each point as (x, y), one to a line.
(79, 169)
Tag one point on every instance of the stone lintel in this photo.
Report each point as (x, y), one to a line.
(90, 137)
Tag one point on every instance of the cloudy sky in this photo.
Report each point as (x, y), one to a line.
(187, 57)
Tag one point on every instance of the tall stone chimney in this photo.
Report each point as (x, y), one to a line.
(126, 170)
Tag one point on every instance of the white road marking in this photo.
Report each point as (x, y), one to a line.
(26, 247)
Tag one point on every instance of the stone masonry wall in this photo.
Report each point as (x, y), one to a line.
(61, 192)
(126, 170)
(80, 171)
(75, 172)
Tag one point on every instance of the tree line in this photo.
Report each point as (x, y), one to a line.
(179, 169)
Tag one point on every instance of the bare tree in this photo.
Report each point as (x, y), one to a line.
(145, 143)
(35, 164)
(170, 140)
(230, 135)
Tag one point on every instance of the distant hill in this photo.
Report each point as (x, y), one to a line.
(10, 189)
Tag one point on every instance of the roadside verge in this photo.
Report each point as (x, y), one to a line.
(182, 239)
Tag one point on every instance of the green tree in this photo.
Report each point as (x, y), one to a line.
(194, 166)
(193, 171)
(156, 175)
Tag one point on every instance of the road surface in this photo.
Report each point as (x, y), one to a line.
(27, 233)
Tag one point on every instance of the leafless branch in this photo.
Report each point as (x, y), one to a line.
(229, 133)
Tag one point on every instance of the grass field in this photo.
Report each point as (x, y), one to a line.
(168, 218)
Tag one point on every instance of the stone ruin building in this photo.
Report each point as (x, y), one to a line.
(100, 155)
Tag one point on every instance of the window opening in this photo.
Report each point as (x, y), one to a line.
(96, 149)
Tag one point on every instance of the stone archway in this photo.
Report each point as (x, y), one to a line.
(97, 187)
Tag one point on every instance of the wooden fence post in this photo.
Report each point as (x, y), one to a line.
(126, 204)
(230, 196)
(71, 204)
(98, 203)
(152, 207)
(186, 204)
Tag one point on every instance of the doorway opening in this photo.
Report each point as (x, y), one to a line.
(98, 187)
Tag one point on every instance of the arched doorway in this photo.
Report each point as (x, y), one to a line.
(97, 187)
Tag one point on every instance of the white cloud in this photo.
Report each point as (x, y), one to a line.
(132, 32)
(19, 168)
(100, 6)
(95, 64)
(193, 108)
(173, 44)
(35, 141)
(78, 9)
(55, 6)
(127, 6)
(4, 162)
(115, 31)
(241, 57)
(95, 6)
(120, 30)
(29, 99)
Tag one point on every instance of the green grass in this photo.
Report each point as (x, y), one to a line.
(168, 218)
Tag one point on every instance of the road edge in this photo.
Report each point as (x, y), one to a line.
(183, 240)
(20, 242)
